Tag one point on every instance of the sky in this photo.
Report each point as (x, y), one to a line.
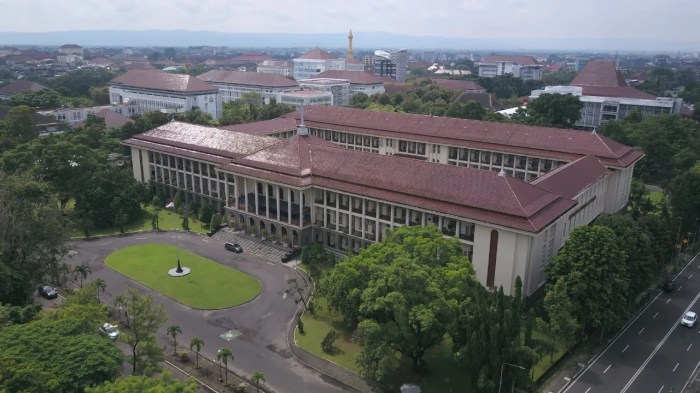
(563, 19)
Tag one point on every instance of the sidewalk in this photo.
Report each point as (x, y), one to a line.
(253, 244)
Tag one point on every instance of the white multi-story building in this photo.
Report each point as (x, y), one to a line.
(301, 98)
(606, 96)
(155, 90)
(233, 85)
(316, 61)
(304, 188)
(278, 67)
(70, 54)
(523, 67)
(360, 82)
(339, 88)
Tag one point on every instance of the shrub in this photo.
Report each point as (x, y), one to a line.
(300, 326)
(215, 222)
(327, 343)
(184, 356)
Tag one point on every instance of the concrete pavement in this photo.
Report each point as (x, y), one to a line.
(653, 353)
(254, 331)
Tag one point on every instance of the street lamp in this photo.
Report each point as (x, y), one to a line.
(500, 380)
(221, 378)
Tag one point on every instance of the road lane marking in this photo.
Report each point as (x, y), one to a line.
(266, 315)
(689, 277)
(205, 240)
(658, 346)
(105, 243)
(640, 332)
(661, 388)
(284, 296)
(657, 313)
(140, 238)
(622, 332)
(587, 390)
(669, 299)
(679, 288)
(692, 377)
(607, 368)
(674, 369)
(691, 344)
(623, 351)
(270, 263)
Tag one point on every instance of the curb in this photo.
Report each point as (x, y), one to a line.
(190, 375)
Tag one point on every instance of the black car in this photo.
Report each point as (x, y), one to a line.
(291, 254)
(235, 247)
(669, 286)
(48, 291)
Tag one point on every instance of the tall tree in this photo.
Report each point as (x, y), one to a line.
(120, 304)
(197, 343)
(255, 380)
(597, 279)
(223, 355)
(684, 201)
(174, 331)
(82, 271)
(144, 319)
(19, 125)
(552, 110)
(100, 285)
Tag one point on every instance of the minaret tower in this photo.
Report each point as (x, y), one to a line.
(350, 45)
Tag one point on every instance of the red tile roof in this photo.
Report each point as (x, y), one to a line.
(458, 85)
(523, 60)
(355, 77)
(301, 161)
(247, 78)
(610, 91)
(317, 54)
(159, 80)
(571, 179)
(554, 143)
(599, 73)
(21, 86)
(265, 127)
(112, 118)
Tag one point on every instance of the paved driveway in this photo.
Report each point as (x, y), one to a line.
(255, 331)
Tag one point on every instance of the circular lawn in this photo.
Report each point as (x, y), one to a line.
(209, 286)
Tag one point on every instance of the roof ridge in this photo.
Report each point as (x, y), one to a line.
(522, 208)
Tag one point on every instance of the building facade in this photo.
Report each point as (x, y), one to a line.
(233, 85)
(339, 88)
(155, 90)
(360, 82)
(523, 67)
(283, 68)
(302, 98)
(316, 61)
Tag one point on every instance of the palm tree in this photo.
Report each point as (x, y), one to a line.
(119, 303)
(197, 343)
(82, 271)
(256, 378)
(224, 354)
(100, 284)
(174, 330)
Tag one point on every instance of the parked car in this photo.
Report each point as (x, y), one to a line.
(110, 331)
(689, 319)
(48, 291)
(291, 254)
(669, 286)
(235, 247)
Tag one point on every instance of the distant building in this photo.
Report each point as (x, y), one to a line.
(606, 96)
(360, 82)
(45, 124)
(523, 67)
(300, 98)
(114, 115)
(18, 87)
(391, 64)
(233, 85)
(278, 67)
(339, 88)
(155, 90)
(9, 51)
(316, 61)
(70, 54)
(251, 58)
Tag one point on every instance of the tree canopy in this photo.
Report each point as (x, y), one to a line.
(551, 110)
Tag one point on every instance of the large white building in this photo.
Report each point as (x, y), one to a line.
(334, 180)
(523, 67)
(606, 96)
(233, 85)
(278, 67)
(70, 54)
(155, 90)
(302, 98)
(339, 88)
(317, 60)
(360, 82)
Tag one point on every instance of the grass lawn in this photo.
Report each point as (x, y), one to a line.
(656, 197)
(209, 286)
(168, 220)
(545, 363)
(444, 374)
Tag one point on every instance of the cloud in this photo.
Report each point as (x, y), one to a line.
(671, 19)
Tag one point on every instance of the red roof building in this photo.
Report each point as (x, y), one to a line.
(18, 87)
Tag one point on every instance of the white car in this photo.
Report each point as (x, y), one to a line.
(110, 331)
(689, 319)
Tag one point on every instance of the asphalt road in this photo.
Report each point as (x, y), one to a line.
(653, 353)
(261, 323)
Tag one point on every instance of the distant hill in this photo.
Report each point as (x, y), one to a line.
(363, 40)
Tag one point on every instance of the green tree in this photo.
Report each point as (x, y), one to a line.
(81, 271)
(215, 222)
(256, 378)
(100, 285)
(144, 319)
(205, 212)
(684, 201)
(196, 344)
(223, 355)
(359, 100)
(110, 197)
(120, 304)
(185, 222)
(178, 199)
(551, 110)
(597, 280)
(174, 331)
(19, 126)
(562, 325)
(164, 383)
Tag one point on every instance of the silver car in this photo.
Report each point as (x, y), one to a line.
(110, 331)
(689, 319)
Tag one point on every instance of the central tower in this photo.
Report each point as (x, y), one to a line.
(350, 45)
